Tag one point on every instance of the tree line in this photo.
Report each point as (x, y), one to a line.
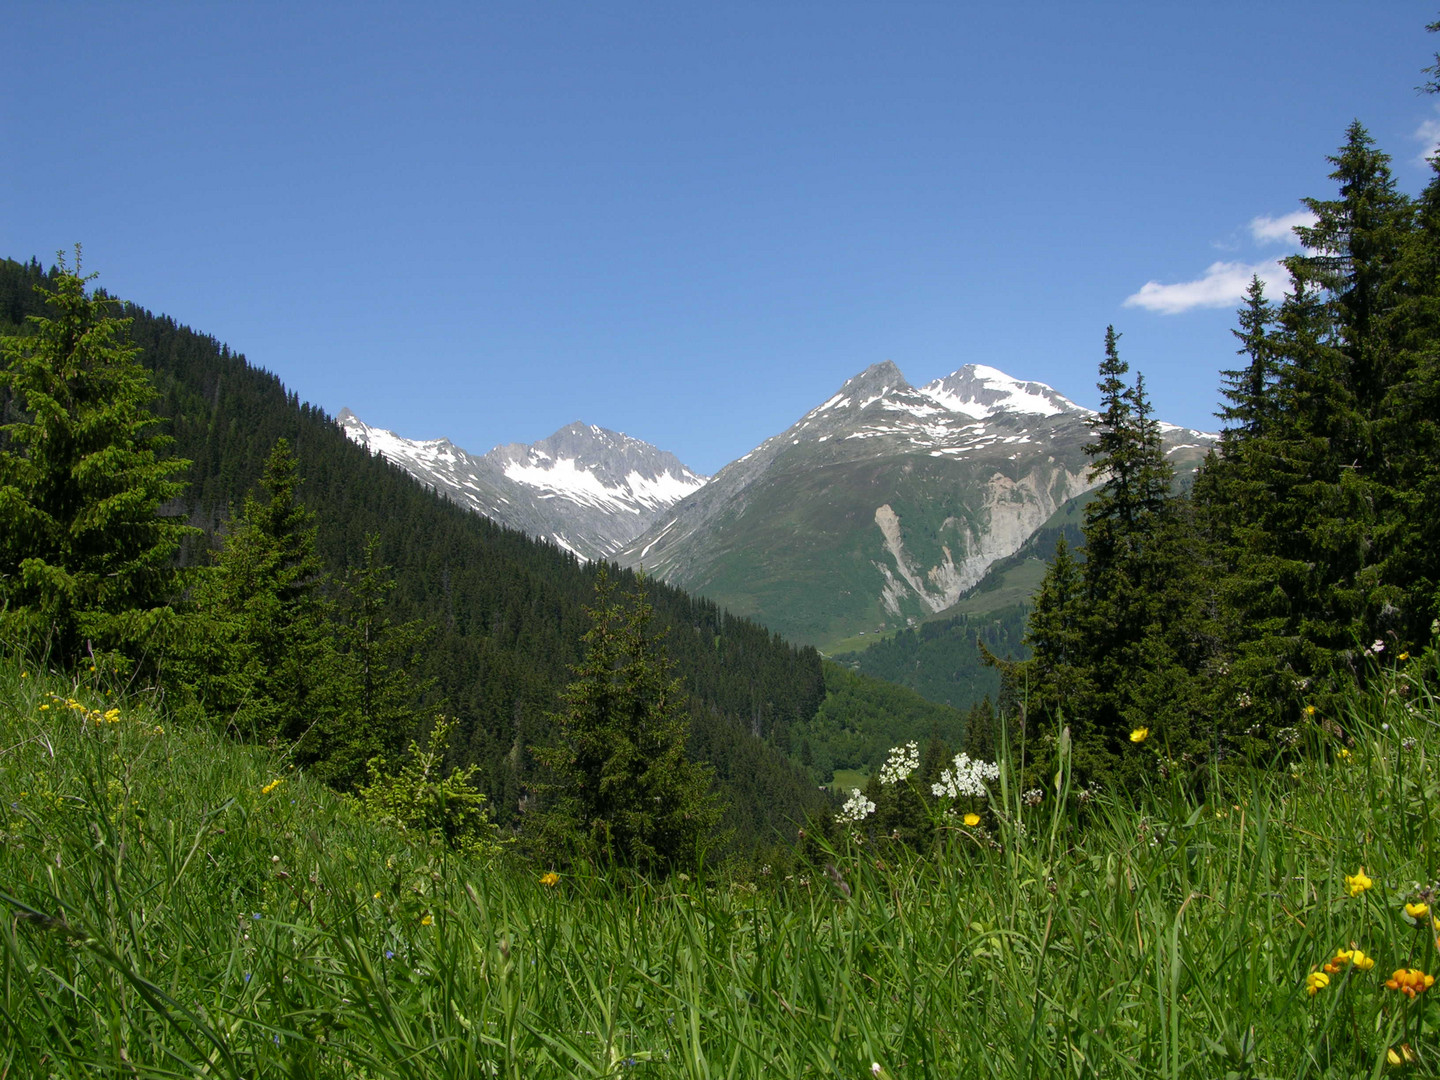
(1203, 628)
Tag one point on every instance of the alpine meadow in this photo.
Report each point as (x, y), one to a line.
(315, 765)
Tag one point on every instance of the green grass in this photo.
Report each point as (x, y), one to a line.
(844, 780)
(167, 917)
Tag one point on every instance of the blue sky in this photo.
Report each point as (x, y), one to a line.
(691, 222)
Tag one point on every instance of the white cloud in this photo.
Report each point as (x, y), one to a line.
(1223, 285)
(1428, 133)
(1269, 230)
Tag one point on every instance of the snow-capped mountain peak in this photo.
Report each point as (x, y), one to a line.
(585, 488)
(979, 391)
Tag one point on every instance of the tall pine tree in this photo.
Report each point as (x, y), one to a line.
(86, 553)
(621, 787)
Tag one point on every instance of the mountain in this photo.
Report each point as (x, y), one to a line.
(883, 504)
(585, 489)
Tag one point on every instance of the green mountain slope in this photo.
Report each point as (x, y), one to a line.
(884, 505)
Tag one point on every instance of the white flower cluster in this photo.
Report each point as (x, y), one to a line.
(1377, 648)
(903, 761)
(856, 809)
(966, 778)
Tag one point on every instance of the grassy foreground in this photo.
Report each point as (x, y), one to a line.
(176, 906)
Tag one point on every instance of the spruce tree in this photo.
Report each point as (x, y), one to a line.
(622, 788)
(1250, 390)
(86, 553)
(379, 670)
(263, 660)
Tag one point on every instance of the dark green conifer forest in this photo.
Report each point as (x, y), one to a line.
(1210, 627)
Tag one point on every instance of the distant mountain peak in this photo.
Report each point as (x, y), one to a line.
(980, 391)
(585, 488)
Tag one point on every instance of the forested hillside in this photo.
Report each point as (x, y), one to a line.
(508, 613)
(1225, 622)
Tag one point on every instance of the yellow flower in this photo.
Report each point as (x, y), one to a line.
(1309, 710)
(426, 921)
(1404, 656)
(1392, 1057)
(271, 786)
(1417, 911)
(972, 820)
(377, 896)
(1315, 982)
(1357, 882)
(1361, 961)
(1343, 754)
(1139, 735)
(550, 880)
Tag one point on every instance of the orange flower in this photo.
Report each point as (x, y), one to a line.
(1410, 981)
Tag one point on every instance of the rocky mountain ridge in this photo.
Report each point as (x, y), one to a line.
(880, 507)
(586, 489)
(883, 504)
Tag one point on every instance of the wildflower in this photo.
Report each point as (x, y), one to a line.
(1032, 797)
(271, 786)
(1393, 1058)
(1343, 957)
(972, 820)
(1357, 882)
(1343, 754)
(1139, 735)
(427, 921)
(1410, 981)
(550, 880)
(1315, 982)
(1416, 912)
(967, 778)
(1403, 656)
(1309, 710)
(856, 809)
(377, 896)
(389, 954)
(903, 761)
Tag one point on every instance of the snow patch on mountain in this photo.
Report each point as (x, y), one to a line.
(569, 479)
(586, 489)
